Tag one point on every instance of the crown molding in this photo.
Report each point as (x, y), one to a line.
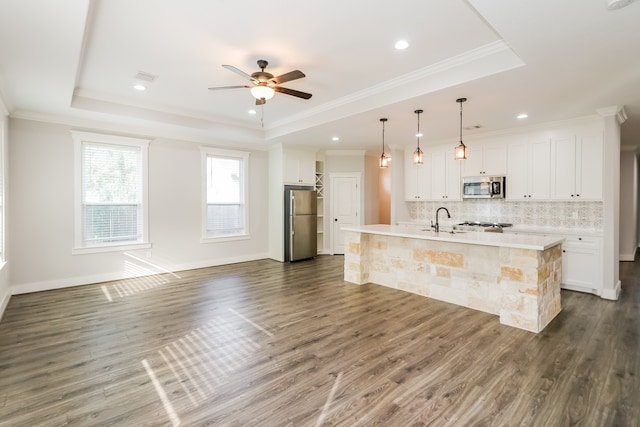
(4, 110)
(344, 152)
(578, 121)
(486, 60)
(616, 110)
(149, 130)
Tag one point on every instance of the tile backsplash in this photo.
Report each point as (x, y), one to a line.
(542, 214)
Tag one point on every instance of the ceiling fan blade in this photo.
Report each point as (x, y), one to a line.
(238, 71)
(292, 92)
(291, 75)
(228, 87)
(261, 101)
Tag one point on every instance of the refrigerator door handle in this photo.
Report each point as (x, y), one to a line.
(291, 231)
(292, 205)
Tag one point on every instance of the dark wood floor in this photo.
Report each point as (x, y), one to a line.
(270, 344)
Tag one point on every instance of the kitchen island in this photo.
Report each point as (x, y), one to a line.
(515, 277)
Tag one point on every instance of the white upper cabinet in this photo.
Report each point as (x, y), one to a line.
(299, 167)
(445, 175)
(528, 170)
(488, 159)
(417, 179)
(577, 168)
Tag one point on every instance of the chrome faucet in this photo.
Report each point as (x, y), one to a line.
(437, 226)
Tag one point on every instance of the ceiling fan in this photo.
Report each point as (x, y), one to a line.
(265, 85)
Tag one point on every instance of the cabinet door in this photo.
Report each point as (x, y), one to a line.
(453, 179)
(487, 160)
(495, 160)
(307, 171)
(581, 263)
(474, 164)
(563, 171)
(518, 172)
(539, 173)
(417, 178)
(299, 167)
(438, 176)
(589, 168)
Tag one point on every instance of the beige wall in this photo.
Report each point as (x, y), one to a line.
(384, 196)
(5, 293)
(628, 204)
(42, 212)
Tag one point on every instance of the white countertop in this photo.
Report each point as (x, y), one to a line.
(519, 241)
(526, 229)
(550, 230)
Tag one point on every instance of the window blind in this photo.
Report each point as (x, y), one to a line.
(111, 193)
(225, 196)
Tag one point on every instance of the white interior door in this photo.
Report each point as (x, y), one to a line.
(345, 207)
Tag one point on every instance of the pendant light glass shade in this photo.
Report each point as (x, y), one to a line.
(260, 92)
(384, 158)
(461, 150)
(418, 155)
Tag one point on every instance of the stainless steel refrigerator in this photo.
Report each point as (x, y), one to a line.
(301, 222)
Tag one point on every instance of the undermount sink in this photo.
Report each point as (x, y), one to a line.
(444, 232)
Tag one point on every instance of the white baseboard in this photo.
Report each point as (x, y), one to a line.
(612, 294)
(48, 285)
(4, 301)
(629, 257)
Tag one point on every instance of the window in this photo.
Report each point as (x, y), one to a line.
(225, 194)
(111, 193)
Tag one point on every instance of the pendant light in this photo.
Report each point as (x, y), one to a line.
(461, 150)
(418, 156)
(384, 159)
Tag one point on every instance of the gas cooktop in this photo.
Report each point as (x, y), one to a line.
(495, 227)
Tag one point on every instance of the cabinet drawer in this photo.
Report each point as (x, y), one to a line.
(582, 242)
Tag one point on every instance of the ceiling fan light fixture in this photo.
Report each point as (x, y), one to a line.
(260, 92)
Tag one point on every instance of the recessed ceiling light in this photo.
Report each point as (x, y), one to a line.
(252, 112)
(401, 44)
(139, 87)
(335, 138)
(522, 116)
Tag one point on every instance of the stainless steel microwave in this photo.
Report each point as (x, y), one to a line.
(483, 187)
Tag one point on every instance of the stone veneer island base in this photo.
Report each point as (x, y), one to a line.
(515, 277)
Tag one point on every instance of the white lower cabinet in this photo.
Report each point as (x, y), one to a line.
(581, 264)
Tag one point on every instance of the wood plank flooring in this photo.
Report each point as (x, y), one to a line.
(270, 344)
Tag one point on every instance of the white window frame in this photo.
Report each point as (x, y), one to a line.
(80, 247)
(231, 154)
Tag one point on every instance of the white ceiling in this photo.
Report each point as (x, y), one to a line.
(75, 61)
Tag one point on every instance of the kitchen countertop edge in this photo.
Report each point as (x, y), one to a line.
(526, 229)
(534, 242)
